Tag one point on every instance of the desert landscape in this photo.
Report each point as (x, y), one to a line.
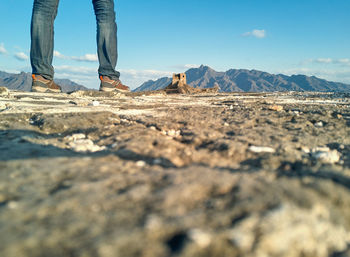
(156, 174)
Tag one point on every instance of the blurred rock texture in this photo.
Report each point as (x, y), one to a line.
(157, 175)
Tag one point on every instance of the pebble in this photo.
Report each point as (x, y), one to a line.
(76, 137)
(12, 205)
(319, 124)
(172, 133)
(326, 155)
(261, 149)
(153, 222)
(140, 164)
(305, 149)
(95, 103)
(201, 238)
(4, 91)
(85, 145)
(277, 108)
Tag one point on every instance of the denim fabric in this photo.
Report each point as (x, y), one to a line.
(42, 37)
(106, 38)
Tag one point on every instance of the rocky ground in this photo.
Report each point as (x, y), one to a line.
(156, 175)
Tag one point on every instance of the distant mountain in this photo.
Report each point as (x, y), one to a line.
(4, 74)
(154, 85)
(241, 80)
(23, 82)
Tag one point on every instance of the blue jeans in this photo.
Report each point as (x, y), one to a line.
(42, 37)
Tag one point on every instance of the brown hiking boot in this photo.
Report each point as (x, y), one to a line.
(109, 85)
(40, 84)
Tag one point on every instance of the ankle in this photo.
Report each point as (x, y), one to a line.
(40, 78)
(108, 79)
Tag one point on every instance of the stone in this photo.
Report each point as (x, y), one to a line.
(12, 205)
(326, 155)
(76, 137)
(4, 91)
(172, 133)
(277, 108)
(201, 238)
(319, 124)
(85, 145)
(140, 164)
(261, 149)
(3, 107)
(95, 103)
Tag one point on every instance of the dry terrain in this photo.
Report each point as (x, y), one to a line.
(95, 174)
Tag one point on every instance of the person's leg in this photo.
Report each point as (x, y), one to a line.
(42, 37)
(106, 38)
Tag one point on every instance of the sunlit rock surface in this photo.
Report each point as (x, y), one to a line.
(265, 174)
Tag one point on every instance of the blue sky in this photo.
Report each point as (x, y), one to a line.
(158, 37)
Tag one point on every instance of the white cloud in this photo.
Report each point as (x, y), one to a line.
(134, 78)
(84, 58)
(255, 33)
(324, 60)
(342, 61)
(88, 76)
(21, 56)
(338, 75)
(59, 55)
(183, 67)
(332, 69)
(190, 66)
(3, 49)
(146, 73)
(76, 69)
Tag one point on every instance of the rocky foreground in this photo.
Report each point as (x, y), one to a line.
(97, 174)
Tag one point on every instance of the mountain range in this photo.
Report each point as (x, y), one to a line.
(233, 80)
(242, 80)
(23, 82)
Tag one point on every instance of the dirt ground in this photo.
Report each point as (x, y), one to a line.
(156, 175)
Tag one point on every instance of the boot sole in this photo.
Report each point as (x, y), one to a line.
(44, 90)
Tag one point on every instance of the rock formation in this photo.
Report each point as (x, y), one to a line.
(179, 86)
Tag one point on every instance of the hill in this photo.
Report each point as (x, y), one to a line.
(242, 80)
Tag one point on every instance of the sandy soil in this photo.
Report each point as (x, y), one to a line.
(106, 174)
